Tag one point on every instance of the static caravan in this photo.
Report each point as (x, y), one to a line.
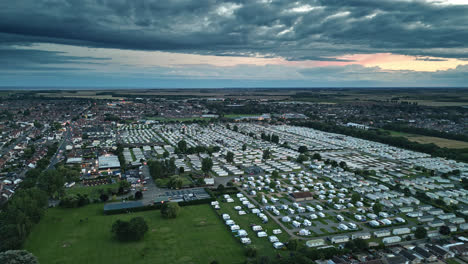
(339, 239)
(390, 240)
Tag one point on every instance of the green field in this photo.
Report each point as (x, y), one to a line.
(197, 235)
(91, 191)
(441, 142)
(180, 119)
(163, 182)
(240, 115)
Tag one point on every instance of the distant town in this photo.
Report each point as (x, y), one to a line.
(256, 176)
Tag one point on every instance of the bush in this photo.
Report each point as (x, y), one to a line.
(17, 257)
(74, 201)
(251, 252)
(138, 195)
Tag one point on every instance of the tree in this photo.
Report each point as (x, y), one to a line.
(104, 197)
(317, 156)
(52, 182)
(275, 174)
(207, 164)
(302, 149)
(244, 147)
(182, 146)
(139, 227)
(355, 197)
(444, 230)
(133, 230)
(236, 128)
(275, 138)
(124, 186)
(181, 170)
(230, 157)
(420, 232)
(266, 153)
(165, 154)
(17, 257)
(292, 244)
(302, 158)
(343, 164)
(176, 182)
(138, 195)
(251, 252)
(361, 244)
(220, 188)
(170, 210)
(377, 208)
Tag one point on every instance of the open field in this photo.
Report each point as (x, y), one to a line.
(91, 191)
(239, 115)
(164, 182)
(423, 96)
(180, 119)
(197, 235)
(441, 142)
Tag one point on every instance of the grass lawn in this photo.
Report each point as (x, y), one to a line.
(263, 245)
(163, 182)
(452, 261)
(239, 115)
(91, 191)
(197, 235)
(181, 119)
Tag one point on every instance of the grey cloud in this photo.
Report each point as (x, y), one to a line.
(14, 59)
(331, 28)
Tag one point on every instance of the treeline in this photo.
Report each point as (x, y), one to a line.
(270, 137)
(383, 137)
(425, 132)
(182, 148)
(162, 169)
(28, 204)
(21, 213)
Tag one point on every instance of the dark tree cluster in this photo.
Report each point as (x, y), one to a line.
(132, 230)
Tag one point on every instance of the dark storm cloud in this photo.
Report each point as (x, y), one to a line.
(30, 59)
(301, 30)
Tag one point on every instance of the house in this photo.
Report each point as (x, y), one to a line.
(460, 250)
(428, 256)
(339, 239)
(440, 252)
(426, 218)
(396, 260)
(302, 196)
(391, 240)
(411, 257)
(364, 235)
(382, 233)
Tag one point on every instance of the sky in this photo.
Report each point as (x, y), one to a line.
(244, 43)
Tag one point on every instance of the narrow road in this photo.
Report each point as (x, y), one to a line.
(67, 135)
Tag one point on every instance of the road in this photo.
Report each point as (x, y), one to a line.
(66, 139)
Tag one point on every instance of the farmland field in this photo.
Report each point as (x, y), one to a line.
(197, 235)
(441, 142)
